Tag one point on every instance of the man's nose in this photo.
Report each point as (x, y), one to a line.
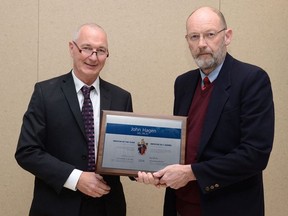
(202, 42)
(92, 56)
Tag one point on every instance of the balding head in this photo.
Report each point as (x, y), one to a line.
(85, 26)
(206, 14)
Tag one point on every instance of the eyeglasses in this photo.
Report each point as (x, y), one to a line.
(89, 51)
(207, 36)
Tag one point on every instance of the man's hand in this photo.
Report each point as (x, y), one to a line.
(92, 184)
(147, 178)
(175, 176)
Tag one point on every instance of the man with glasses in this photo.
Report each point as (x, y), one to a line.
(230, 128)
(58, 139)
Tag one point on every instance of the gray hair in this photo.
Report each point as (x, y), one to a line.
(91, 25)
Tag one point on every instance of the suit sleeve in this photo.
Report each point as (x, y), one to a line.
(31, 153)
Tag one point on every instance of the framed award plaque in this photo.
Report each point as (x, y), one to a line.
(130, 142)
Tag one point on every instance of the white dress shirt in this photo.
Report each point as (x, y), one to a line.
(95, 99)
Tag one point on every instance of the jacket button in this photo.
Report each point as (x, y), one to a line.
(84, 157)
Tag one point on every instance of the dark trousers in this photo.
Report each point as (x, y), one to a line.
(92, 207)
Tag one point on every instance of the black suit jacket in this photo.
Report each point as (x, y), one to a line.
(236, 139)
(52, 143)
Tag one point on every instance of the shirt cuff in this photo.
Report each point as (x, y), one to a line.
(72, 180)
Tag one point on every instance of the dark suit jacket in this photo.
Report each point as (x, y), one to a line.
(52, 143)
(236, 139)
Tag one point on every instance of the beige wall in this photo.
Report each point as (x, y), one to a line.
(148, 51)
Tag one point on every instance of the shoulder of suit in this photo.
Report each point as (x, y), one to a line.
(189, 74)
(53, 80)
(111, 87)
(243, 69)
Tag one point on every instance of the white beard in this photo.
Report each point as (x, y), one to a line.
(205, 63)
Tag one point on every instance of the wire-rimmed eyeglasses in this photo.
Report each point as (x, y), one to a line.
(207, 36)
(89, 51)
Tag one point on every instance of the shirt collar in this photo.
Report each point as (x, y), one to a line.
(213, 75)
(79, 84)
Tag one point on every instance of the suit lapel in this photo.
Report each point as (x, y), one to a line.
(185, 103)
(218, 99)
(105, 96)
(68, 88)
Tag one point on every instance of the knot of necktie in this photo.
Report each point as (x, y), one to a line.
(86, 91)
(206, 82)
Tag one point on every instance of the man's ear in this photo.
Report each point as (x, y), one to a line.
(228, 36)
(70, 48)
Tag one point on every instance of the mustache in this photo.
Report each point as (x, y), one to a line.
(204, 52)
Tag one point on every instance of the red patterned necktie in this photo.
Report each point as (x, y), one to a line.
(206, 82)
(88, 117)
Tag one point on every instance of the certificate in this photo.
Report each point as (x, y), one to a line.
(130, 142)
